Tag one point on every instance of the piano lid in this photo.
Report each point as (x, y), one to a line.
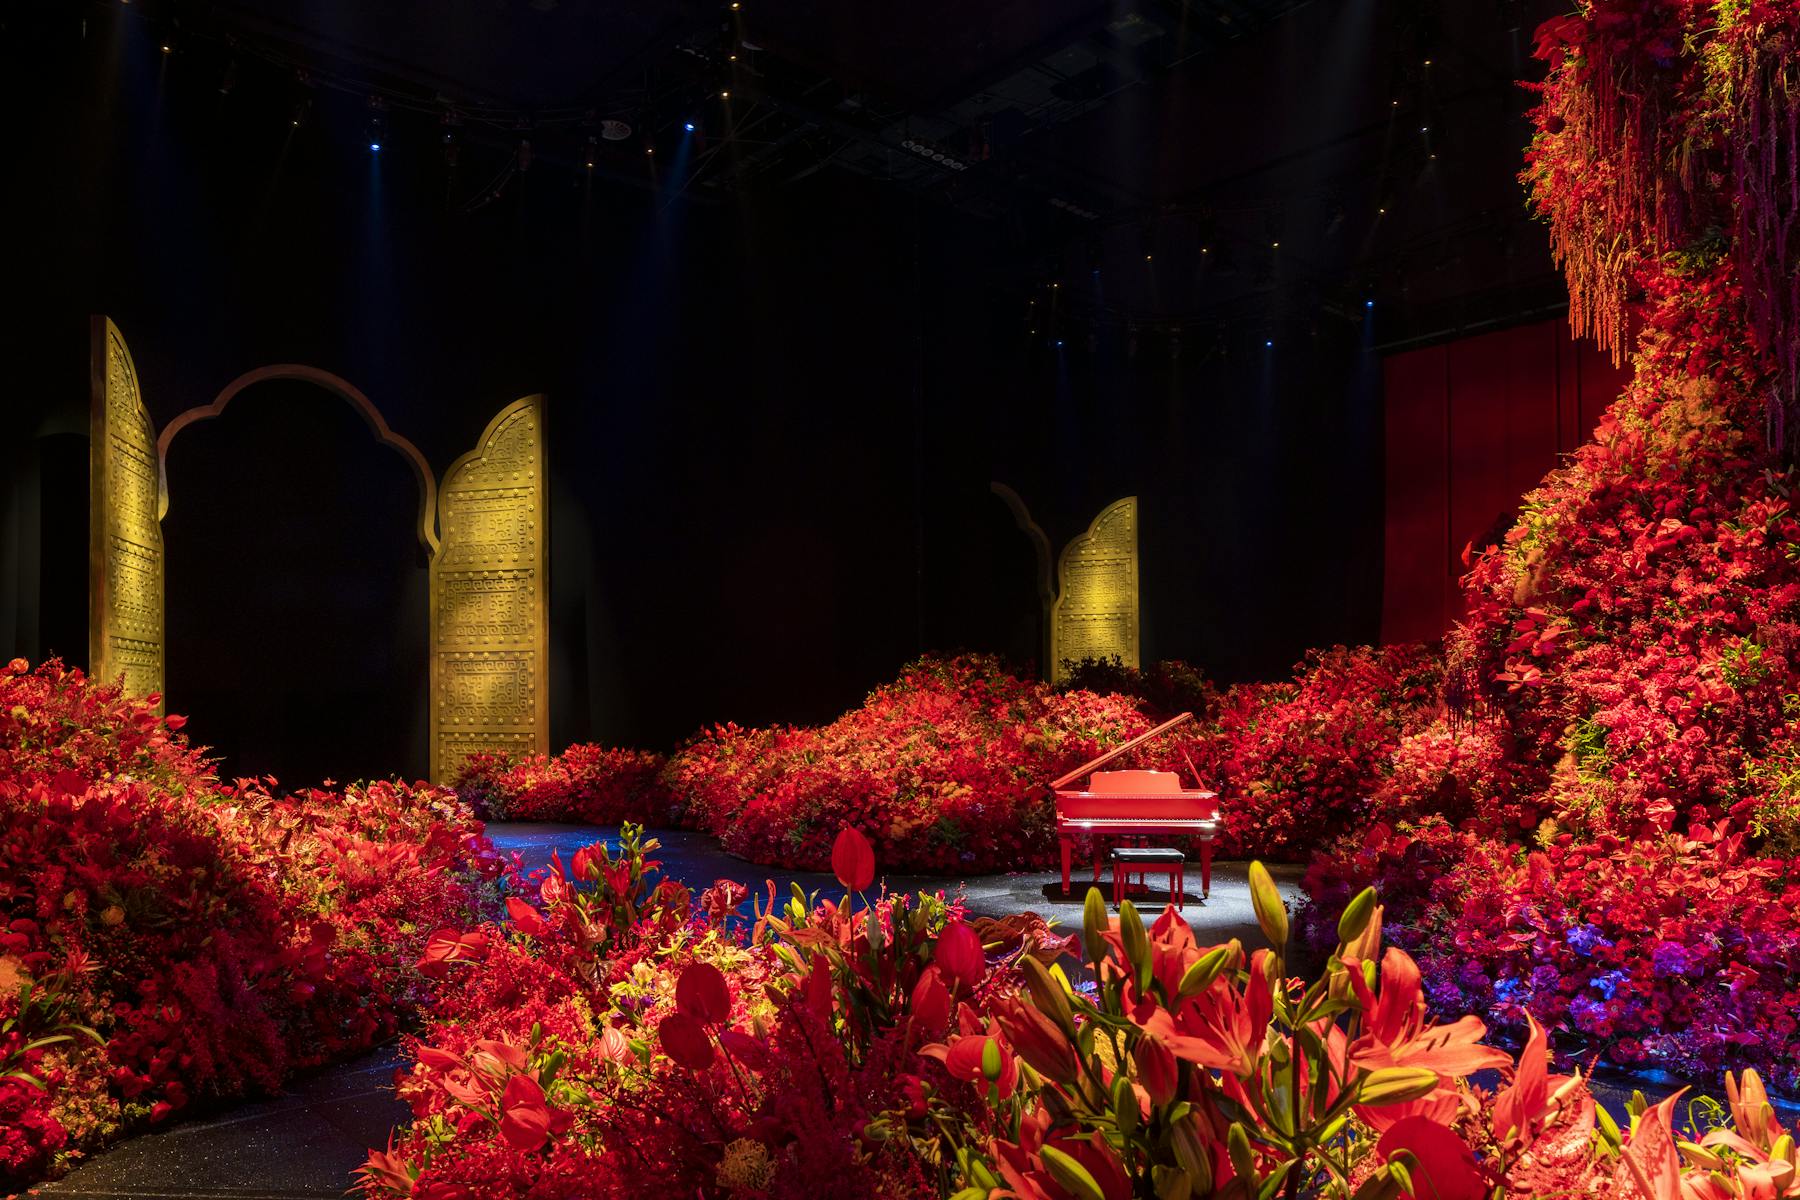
(1095, 764)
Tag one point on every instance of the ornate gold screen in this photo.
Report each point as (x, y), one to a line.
(1096, 609)
(125, 548)
(489, 607)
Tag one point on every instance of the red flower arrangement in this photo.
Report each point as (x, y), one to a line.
(166, 941)
(898, 1051)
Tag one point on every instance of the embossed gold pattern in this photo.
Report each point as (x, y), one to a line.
(1096, 609)
(125, 548)
(489, 605)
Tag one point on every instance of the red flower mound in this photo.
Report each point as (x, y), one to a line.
(1296, 762)
(166, 941)
(584, 783)
(945, 769)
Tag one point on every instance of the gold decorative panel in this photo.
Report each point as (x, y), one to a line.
(489, 601)
(125, 548)
(1096, 609)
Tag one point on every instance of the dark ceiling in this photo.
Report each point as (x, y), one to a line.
(1162, 161)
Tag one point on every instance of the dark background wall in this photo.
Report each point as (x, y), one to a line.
(772, 426)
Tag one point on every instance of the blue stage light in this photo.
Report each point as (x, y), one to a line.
(690, 127)
(1269, 344)
(374, 147)
(1368, 304)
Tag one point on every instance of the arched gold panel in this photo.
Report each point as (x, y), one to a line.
(125, 547)
(1096, 609)
(489, 597)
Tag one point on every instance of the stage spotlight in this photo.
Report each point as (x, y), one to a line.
(1059, 343)
(1368, 304)
(724, 95)
(168, 48)
(689, 126)
(1269, 344)
(374, 147)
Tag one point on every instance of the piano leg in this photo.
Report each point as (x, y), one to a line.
(1206, 868)
(1068, 853)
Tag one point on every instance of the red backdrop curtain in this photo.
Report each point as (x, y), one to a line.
(1472, 425)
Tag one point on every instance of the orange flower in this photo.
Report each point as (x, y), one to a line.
(1397, 1034)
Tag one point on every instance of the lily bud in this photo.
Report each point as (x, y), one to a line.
(1157, 1070)
(1171, 1184)
(1237, 1144)
(1271, 913)
(1048, 994)
(1137, 943)
(1206, 968)
(991, 1062)
(1094, 925)
(1396, 1085)
(1191, 1153)
(1356, 916)
(1070, 1175)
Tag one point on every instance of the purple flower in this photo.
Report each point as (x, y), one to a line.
(1669, 958)
(1586, 938)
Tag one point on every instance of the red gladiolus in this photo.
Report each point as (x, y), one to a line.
(853, 859)
(701, 993)
(958, 954)
(684, 1040)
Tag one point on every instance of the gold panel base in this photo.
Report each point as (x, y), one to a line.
(125, 547)
(1096, 609)
(489, 603)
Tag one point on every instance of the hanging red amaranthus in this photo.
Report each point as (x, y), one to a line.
(1667, 137)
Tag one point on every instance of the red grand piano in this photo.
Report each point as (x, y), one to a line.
(1134, 805)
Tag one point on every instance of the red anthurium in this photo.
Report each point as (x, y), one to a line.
(978, 1059)
(524, 1114)
(437, 1059)
(526, 919)
(447, 946)
(701, 993)
(853, 859)
(958, 954)
(750, 1051)
(615, 1047)
(684, 1040)
(1447, 1170)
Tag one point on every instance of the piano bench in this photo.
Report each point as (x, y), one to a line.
(1142, 860)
